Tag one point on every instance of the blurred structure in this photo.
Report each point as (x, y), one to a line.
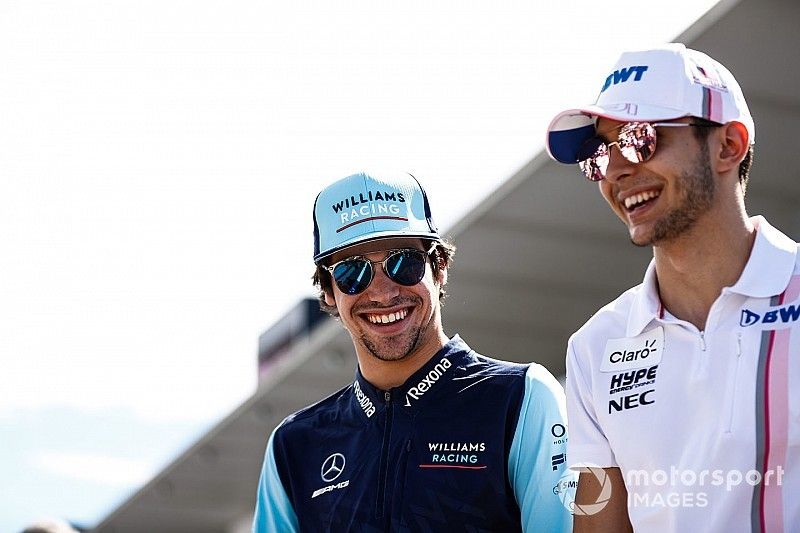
(50, 526)
(288, 333)
(534, 260)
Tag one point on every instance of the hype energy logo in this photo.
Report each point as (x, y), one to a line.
(623, 75)
(774, 318)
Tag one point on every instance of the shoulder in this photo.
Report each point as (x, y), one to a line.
(609, 321)
(326, 412)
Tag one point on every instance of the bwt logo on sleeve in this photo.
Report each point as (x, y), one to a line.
(772, 318)
(622, 75)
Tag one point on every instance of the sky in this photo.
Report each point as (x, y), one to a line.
(158, 166)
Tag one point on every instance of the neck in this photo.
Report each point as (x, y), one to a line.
(388, 374)
(693, 269)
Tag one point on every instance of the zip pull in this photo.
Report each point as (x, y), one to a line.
(738, 345)
(703, 340)
(387, 396)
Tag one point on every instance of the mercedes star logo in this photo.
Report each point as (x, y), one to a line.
(332, 467)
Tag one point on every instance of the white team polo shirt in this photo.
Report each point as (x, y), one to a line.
(704, 425)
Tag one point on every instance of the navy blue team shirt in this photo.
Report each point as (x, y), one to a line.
(467, 443)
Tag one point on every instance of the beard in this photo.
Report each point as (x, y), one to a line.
(699, 190)
(400, 346)
(393, 348)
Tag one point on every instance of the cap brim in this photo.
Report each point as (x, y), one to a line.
(571, 128)
(376, 237)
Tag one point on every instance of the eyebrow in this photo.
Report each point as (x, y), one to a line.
(603, 135)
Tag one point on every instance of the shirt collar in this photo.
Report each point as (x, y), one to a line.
(646, 303)
(771, 263)
(767, 273)
(421, 385)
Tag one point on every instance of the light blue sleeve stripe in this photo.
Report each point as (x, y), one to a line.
(274, 511)
(537, 441)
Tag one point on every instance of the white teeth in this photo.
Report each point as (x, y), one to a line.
(637, 199)
(388, 319)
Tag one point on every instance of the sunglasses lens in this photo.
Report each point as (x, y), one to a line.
(595, 162)
(353, 276)
(637, 141)
(406, 267)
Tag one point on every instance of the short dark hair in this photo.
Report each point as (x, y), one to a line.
(701, 134)
(441, 258)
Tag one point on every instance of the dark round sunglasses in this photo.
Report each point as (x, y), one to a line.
(404, 266)
(636, 142)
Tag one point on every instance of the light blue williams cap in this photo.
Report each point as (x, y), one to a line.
(366, 207)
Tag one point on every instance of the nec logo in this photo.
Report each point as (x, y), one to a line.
(781, 315)
(622, 75)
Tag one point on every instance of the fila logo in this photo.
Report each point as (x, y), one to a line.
(623, 75)
(781, 315)
(559, 459)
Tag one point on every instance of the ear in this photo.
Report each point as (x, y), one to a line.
(734, 141)
(330, 299)
(442, 281)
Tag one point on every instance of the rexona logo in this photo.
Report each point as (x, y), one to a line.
(428, 381)
(776, 316)
(363, 400)
(633, 352)
(624, 74)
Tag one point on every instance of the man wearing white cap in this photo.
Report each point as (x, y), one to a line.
(430, 436)
(686, 388)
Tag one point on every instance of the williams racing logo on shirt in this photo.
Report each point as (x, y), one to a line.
(461, 455)
(774, 318)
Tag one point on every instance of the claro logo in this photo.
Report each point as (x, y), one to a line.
(428, 381)
(634, 352)
(780, 315)
(621, 356)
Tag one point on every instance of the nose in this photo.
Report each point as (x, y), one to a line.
(618, 166)
(382, 289)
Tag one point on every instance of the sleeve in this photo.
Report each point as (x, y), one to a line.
(274, 511)
(537, 460)
(587, 442)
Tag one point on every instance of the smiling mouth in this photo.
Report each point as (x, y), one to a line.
(387, 318)
(632, 203)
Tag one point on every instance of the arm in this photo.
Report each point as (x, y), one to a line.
(596, 509)
(594, 516)
(274, 511)
(535, 482)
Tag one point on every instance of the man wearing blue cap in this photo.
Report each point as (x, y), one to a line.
(683, 392)
(430, 436)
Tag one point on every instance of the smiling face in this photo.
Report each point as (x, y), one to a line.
(389, 321)
(663, 198)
